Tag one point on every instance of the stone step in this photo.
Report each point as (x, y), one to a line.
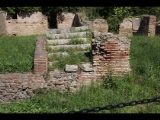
(64, 41)
(69, 35)
(63, 54)
(66, 30)
(82, 46)
(58, 54)
(52, 63)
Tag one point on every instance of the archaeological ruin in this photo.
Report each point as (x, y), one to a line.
(109, 52)
(24, 24)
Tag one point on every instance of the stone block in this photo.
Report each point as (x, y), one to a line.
(71, 68)
(136, 23)
(87, 67)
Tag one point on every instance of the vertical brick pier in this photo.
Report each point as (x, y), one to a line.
(40, 58)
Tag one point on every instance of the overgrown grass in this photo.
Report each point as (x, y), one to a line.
(72, 58)
(141, 83)
(17, 53)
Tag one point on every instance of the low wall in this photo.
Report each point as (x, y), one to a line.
(65, 20)
(16, 86)
(2, 23)
(143, 26)
(25, 24)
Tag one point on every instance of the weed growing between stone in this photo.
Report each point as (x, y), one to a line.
(75, 41)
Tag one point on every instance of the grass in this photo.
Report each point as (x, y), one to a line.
(75, 41)
(70, 59)
(17, 53)
(141, 83)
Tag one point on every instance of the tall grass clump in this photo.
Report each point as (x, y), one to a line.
(17, 53)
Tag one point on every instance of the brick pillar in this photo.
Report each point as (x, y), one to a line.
(40, 58)
(110, 53)
(152, 25)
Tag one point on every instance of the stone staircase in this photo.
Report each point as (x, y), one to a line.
(62, 42)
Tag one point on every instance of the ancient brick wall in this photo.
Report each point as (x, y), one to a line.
(144, 26)
(152, 25)
(65, 20)
(2, 23)
(110, 54)
(68, 20)
(26, 24)
(128, 26)
(100, 25)
(16, 86)
(40, 57)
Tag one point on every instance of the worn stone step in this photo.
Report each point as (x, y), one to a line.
(69, 35)
(63, 54)
(52, 63)
(58, 53)
(63, 41)
(65, 30)
(82, 46)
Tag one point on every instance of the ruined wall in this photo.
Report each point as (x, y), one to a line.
(81, 19)
(65, 20)
(2, 23)
(152, 25)
(100, 25)
(27, 24)
(16, 86)
(110, 53)
(144, 26)
(68, 20)
(40, 56)
(129, 25)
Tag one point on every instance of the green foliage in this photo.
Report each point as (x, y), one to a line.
(71, 59)
(109, 81)
(15, 10)
(17, 53)
(117, 14)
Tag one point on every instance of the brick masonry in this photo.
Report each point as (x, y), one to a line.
(65, 20)
(152, 25)
(100, 25)
(68, 20)
(3, 29)
(110, 54)
(40, 58)
(145, 26)
(25, 24)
